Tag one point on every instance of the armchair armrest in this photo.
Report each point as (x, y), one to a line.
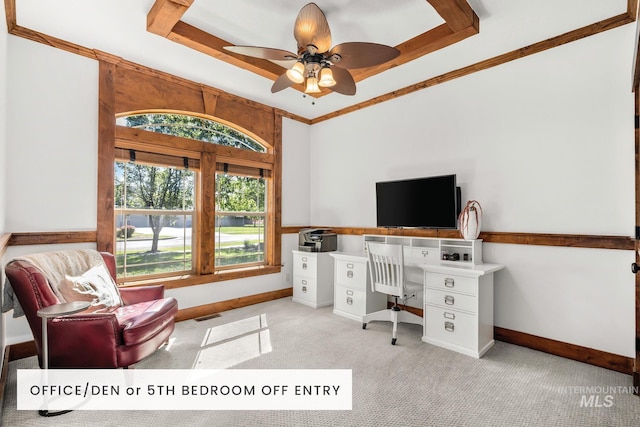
(91, 339)
(141, 294)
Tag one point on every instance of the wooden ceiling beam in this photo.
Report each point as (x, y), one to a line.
(165, 14)
(456, 13)
(421, 45)
(204, 42)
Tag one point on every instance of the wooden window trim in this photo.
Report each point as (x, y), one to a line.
(120, 94)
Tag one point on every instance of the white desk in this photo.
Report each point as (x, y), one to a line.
(457, 300)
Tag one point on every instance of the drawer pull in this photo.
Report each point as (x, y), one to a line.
(349, 265)
(425, 253)
(449, 283)
(349, 292)
(451, 316)
(449, 326)
(449, 300)
(350, 274)
(304, 289)
(349, 300)
(304, 265)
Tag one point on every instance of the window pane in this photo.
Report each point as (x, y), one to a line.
(240, 193)
(240, 220)
(153, 187)
(140, 253)
(193, 128)
(154, 219)
(239, 240)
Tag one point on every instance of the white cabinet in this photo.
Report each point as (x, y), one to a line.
(353, 297)
(312, 278)
(458, 307)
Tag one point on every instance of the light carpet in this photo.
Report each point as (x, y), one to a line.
(409, 384)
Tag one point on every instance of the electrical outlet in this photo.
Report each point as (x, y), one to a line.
(288, 277)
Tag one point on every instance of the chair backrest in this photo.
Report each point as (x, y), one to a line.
(33, 290)
(386, 265)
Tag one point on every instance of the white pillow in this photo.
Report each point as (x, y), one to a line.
(95, 286)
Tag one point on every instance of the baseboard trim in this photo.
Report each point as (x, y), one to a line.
(578, 353)
(217, 307)
(21, 350)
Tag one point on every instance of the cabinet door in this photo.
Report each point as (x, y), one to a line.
(305, 265)
(451, 326)
(304, 288)
(351, 274)
(350, 301)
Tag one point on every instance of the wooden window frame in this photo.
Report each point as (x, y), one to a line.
(126, 90)
(160, 160)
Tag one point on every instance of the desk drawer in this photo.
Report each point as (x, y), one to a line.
(304, 289)
(449, 282)
(350, 301)
(305, 265)
(451, 300)
(421, 255)
(450, 326)
(351, 274)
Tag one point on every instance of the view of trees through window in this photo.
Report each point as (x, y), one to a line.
(240, 216)
(156, 221)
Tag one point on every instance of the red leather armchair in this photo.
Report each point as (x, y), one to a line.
(95, 340)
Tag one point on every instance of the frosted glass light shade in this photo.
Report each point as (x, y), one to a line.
(312, 85)
(326, 78)
(295, 74)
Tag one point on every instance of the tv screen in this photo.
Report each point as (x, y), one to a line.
(431, 202)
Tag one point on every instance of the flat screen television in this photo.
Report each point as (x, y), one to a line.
(430, 202)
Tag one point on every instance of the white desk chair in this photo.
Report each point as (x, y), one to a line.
(386, 265)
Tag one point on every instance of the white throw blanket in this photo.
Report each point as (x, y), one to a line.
(55, 266)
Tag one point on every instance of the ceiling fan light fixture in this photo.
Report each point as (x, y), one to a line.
(326, 78)
(312, 85)
(295, 74)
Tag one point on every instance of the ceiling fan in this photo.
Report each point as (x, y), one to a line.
(317, 64)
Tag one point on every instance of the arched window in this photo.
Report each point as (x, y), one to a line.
(171, 171)
(191, 127)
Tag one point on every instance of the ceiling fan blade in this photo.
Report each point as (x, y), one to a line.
(344, 81)
(311, 27)
(361, 55)
(281, 83)
(262, 52)
(285, 64)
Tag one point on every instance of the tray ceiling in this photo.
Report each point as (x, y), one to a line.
(437, 38)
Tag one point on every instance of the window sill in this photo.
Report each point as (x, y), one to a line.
(174, 282)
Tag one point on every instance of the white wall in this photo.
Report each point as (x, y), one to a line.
(53, 131)
(3, 143)
(52, 176)
(3, 115)
(546, 144)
